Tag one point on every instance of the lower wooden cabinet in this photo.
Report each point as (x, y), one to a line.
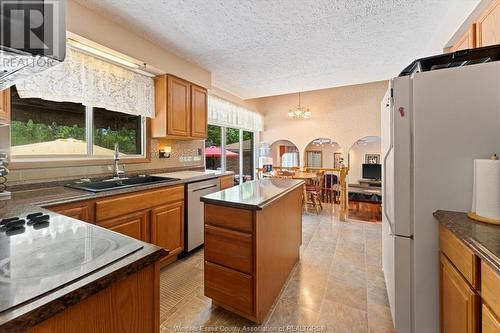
(469, 289)
(133, 225)
(229, 287)
(82, 210)
(226, 182)
(459, 302)
(490, 324)
(153, 216)
(129, 305)
(167, 227)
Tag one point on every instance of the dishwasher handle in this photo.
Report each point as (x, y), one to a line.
(203, 188)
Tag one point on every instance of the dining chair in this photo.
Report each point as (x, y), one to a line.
(313, 190)
(330, 188)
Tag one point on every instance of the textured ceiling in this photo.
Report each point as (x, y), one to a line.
(269, 47)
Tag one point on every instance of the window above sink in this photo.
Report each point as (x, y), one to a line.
(50, 130)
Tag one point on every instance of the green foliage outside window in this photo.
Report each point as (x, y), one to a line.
(24, 133)
(232, 136)
(125, 137)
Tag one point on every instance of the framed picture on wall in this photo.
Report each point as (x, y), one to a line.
(372, 158)
(338, 161)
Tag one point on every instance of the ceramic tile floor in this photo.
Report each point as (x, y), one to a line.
(337, 286)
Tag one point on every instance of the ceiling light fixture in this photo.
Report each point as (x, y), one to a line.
(300, 112)
(103, 54)
(322, 141)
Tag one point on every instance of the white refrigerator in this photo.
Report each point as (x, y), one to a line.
(434, 124)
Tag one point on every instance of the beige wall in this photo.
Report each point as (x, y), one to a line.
(344, 114)
(89, 24)
(357, 158)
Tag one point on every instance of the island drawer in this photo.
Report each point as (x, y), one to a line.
(129, 203)
(230, 218)
(229, 287)
(229, 248)
(460, 255)
(490, 288)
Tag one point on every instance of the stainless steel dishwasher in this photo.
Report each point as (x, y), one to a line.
(194, 230)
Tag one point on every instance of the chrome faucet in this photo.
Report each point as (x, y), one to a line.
(116, 170)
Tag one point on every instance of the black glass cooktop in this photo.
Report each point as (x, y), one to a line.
(37, 258)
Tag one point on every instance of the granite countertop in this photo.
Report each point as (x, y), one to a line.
(253, 195)
(482, 238)
(29, 201)
(63, 289)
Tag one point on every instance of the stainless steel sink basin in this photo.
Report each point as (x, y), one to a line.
(113, 184)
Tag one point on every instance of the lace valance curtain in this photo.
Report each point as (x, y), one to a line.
(225, 113)
(85, 79)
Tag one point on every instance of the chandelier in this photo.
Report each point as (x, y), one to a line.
(300, 112)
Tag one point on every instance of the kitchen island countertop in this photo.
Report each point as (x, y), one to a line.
(253, 195)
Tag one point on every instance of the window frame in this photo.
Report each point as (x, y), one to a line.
(223, 159)
(44, 161)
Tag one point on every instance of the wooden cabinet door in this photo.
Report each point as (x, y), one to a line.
(179, 107)
(5, 105)
(459, 302)
(488, 26)
(199, 109)
(133, 225)
(167, 227)
(81, 211)
(468, 40)
(490, 323)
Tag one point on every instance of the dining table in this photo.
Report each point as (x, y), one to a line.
(303, 175)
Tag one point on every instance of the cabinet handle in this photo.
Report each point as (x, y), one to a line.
(204, 188)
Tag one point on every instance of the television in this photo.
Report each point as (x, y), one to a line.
(372, 171)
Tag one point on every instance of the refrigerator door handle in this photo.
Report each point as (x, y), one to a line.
(386, 156)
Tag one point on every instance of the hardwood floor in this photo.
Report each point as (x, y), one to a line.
(365, 211)
(338, 286)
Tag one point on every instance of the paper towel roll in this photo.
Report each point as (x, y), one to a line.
(486, 193)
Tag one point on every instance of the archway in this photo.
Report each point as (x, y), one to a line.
(365, 180)
(364, 151)
(284, 154)
(323, 153)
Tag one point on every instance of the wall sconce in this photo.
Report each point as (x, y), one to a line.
(165, 152)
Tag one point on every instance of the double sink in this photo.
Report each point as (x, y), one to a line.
(119, 183)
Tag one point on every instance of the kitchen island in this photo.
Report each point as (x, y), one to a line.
(252, 242)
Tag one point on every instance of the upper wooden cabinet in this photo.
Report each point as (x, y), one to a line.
(181, 109)
(5, 105)
(488, 26)
(199, 100)
(468, 40)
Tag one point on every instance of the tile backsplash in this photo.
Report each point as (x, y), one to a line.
(185, 153)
